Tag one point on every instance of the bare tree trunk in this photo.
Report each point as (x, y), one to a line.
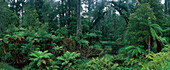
(89, 11)
(78, 18)
(22, 13)
(169, 7)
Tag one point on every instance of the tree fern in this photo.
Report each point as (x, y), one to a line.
(152, 32)
(37, 57)
(68, 59)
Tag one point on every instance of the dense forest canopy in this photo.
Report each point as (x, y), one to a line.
(84, 34)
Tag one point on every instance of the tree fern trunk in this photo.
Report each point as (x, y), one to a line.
(149, 45)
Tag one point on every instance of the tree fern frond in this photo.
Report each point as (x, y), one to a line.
(130, 47)
(156, 26)
(153, 33)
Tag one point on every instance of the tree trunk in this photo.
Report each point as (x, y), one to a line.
(149, 45)
(78, 18)
(89, 11)
(166, 6)
(62, 13)
(1, 27)
(22, 11)
(169, 7)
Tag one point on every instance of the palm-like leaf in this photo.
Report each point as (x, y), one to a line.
(38, 56)
(69, 58)
(157, 27)
(134, 50)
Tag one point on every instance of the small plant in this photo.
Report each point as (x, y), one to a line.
(103, 63)
(57, 48)
(134, 50)
(159, 61)
(166, 48)
(38, 58)
(68, 60)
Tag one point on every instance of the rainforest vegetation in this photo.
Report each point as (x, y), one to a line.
(84, 34)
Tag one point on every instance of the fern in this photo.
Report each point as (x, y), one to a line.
(84, 42)
(159, 61)
(68, 59)
(37, 57)
(134, 50)
(152, 28)
(103, 63)
(57, 48)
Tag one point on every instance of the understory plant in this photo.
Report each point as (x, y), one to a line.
(68, 60)
(99, 63)
(39, 58)
(135, 50)
(159, 61)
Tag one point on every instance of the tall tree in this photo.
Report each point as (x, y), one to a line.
(166, 6)
(78, 17)
(90, 2)
(7, 16)
(125, 9)
(136, 31)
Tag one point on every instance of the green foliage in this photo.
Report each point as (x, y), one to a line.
(68, 60)
(38, 57)
(7, 16)
(18, 42)
(152, 28)
(135, 30)
(122, 50)
(135, 50)
(159, 61)
(57, 48)
(84, 42)
(103, 63)
(131, 61)
(31, 19)
(157, 9)
(166, 48)
(5, 66)
(41, 34)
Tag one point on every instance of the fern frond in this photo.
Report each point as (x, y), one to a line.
(153, 33)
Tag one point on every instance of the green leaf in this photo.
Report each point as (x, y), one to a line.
(64, 63)
(60, 58)
(84, 41)
(153, 34)
(133, 53)
(156, 26)
(39, 63)
(130, 47)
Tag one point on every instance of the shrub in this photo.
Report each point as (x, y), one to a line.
(159, 61)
